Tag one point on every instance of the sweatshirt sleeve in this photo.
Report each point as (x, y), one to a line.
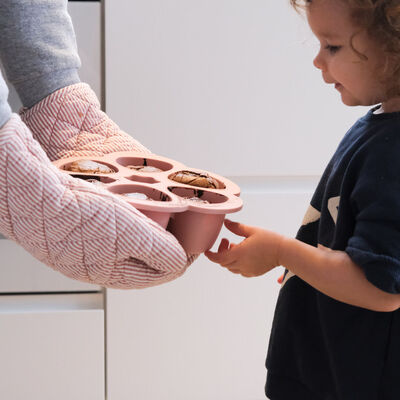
(375, 199)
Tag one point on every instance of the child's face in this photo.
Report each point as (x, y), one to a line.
(354, 77)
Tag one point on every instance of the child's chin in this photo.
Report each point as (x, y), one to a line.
(351, 101)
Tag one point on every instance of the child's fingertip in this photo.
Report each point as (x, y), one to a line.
(210, 254)
(224, 242)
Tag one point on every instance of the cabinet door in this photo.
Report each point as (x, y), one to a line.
(223, 85)
(205, 335)
(19, 271)
(50, 349)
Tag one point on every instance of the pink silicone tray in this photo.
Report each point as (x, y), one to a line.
(195, 225)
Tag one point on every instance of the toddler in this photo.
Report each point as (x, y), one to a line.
(336, 329)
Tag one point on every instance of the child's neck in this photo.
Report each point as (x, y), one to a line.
(391, 105)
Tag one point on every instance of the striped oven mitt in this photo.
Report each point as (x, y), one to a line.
(75, 227)
(69, 123)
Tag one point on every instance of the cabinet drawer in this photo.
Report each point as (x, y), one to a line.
(51, 351)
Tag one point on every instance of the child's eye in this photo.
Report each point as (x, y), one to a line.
(332, 49)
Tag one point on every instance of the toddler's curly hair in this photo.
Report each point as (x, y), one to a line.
(381, 20)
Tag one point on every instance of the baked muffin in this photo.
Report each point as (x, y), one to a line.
(197, 200)
(88, 166)
(195, 179)
(144, 168)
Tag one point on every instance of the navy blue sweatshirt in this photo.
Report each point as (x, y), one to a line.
(321, 348)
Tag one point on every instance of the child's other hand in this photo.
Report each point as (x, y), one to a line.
(257, 254)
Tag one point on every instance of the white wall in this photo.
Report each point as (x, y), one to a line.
(227, 86)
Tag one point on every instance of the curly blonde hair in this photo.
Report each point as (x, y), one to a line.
(381, 20)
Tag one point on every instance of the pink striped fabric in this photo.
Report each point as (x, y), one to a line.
(75, 227)
(69, 123)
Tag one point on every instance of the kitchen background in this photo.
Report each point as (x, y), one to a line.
(222, 85)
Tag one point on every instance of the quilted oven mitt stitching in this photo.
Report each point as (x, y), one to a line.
(83, 134)
(41, 238)
(93, 107)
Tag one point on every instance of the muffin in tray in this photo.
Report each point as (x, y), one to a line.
(144, 168)
(192, 178)
(89, 167)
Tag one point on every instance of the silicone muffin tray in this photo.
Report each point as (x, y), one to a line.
(193, 214)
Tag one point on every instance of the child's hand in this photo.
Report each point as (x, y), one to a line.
(257, 254)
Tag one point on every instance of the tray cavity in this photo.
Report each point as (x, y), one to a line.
(189, 193)
(131, 162)
(99, 179)
(151, 193)
(144, 179)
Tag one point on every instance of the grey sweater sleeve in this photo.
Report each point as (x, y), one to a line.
(37, 47)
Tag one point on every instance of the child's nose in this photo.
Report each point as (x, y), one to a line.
(318, 62)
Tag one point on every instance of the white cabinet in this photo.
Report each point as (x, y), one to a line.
(205, 335)
(226, 86)
(52, 347)
(19, 271)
